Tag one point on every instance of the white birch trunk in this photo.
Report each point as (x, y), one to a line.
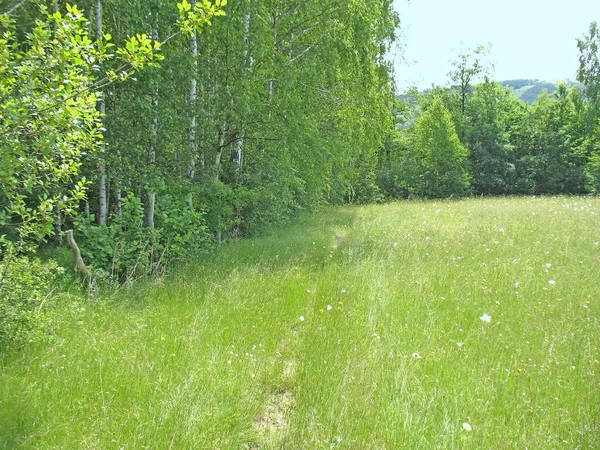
(102, 194)
(150, 201)
(191, 169)
(201, 157)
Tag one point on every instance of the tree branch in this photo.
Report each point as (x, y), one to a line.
(17, 6)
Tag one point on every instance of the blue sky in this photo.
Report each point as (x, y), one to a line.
(529, 38)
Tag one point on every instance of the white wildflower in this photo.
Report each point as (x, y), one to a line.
(486, 318)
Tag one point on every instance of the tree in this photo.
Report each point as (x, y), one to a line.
(436, 163)
(467, 68)
(589, 75)
(588, 72)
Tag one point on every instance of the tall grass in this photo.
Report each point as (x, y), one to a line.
(360, 328)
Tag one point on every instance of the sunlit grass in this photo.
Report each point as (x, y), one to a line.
(421, 321)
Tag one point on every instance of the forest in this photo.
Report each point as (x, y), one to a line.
(150, 132)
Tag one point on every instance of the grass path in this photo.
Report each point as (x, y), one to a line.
(360, 328)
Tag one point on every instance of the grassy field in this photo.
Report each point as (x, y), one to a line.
(419, 325)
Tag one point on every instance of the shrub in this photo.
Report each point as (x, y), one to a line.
(125, 249)
(25, 293)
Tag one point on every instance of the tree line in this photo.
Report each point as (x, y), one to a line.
(154, 129)
(476, 137)
(272, 108)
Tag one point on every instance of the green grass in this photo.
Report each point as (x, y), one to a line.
(216, 355)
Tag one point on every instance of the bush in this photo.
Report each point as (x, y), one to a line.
(126, 250)
(25, 293)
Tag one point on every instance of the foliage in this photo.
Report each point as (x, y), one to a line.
(492, 110)
(436, 164)
(26, 286)
(588, 72)
(467, 68)
(125, 250)
(50, 121)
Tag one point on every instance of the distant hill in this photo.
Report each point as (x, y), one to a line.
(529, 90)
(526, 90)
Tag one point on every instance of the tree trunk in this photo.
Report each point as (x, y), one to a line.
(102, 194)
(150, 198)
(191, 170)
(58, 226)
(238, 155)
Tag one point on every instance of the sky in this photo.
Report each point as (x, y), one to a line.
(531, 39)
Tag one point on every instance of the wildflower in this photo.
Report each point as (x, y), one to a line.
(486, 318)
(459, 344)
(548, 265)
(301, 318)
(501, 230)
(552, 282)
(329, 307)
(343, 291)
(467, 427)
(395, 244)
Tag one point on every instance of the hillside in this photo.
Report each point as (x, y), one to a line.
(526, 89)
(529, 90)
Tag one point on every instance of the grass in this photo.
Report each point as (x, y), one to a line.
(392, 351)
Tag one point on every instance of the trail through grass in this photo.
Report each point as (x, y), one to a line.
(360, 328)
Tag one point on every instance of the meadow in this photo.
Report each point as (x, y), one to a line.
(469, 324)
